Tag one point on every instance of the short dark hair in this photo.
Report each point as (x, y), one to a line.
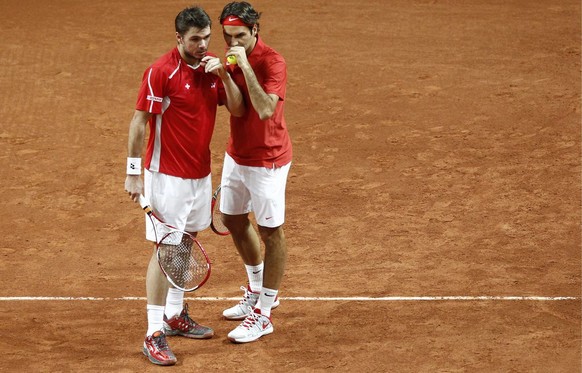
(242, 10)
(191, 17)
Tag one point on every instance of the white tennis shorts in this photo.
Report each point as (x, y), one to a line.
(181, 203)
(260, 190)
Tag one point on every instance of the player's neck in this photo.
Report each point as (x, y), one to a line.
(188, 58)
(253, 45)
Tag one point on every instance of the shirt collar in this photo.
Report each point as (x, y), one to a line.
(257, 50)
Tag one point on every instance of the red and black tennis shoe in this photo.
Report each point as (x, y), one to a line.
(157, 350)
(186, 327)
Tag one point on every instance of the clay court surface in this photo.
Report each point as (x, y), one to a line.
(437, 154)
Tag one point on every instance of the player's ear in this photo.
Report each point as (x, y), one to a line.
(178, 37)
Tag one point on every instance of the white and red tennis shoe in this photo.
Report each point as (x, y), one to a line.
(248, 301)
(252, 328)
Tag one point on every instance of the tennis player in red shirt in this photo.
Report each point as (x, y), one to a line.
(256, 165)
(178, 98)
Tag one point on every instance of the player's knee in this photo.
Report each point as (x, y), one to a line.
(236, 223)
(272, 236)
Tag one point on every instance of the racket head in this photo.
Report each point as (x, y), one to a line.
(183, 260)
(216, 223)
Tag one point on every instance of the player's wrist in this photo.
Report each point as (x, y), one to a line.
(133, 166)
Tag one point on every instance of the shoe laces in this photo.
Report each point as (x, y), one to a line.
(161, 342)
(252, 319)
(185, 317)
(245, 301)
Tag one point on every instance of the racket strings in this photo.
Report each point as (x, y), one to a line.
(217, 221)
(217, 225)
(183, 263)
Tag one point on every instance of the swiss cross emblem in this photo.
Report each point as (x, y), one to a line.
(187, 86)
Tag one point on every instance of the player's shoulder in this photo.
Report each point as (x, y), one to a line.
(278, 58)
(272, 57)
(167, 62)
(274, 61)
(267, 53)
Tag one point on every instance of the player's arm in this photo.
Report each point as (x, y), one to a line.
(234, 98)
(263, 103)
(137, 130)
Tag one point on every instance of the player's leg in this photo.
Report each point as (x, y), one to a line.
(235, 205)
(275, 261)
(267, 188)
(156, 290)
(268, 196)
(155, 346)
(185, 204)
(245, 238)
(247, 243)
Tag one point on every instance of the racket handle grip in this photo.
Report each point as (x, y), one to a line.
(145, 205)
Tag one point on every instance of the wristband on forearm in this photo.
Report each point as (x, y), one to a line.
(133, 166)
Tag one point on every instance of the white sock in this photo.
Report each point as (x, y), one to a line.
(266, 300)
(155, 318)
(174, 302)
(255, 275)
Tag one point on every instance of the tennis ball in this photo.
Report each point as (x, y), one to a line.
(231, 60)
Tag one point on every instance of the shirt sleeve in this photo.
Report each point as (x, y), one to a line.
(276, 78)
(152, 91)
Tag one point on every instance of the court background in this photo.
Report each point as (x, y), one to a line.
(437, 153)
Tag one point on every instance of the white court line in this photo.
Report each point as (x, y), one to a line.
(325, 299)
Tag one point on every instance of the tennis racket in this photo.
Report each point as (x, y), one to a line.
(181, 257)
(216, 223)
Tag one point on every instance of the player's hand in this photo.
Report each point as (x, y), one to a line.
(214, 66)
(240, 55)
(134, 186)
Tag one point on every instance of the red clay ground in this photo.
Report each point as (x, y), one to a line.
(437, 153)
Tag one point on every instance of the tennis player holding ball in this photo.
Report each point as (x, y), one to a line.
(256, 165)
(178, 98)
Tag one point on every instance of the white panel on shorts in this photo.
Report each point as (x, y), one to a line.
(182, 203)
(257, 189)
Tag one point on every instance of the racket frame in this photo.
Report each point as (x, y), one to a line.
(215, 205)
(152, 216)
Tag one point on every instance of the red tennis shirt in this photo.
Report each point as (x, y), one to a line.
(183, 100)
(255, 142)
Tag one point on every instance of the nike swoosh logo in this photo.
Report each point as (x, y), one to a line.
(232, 19)
(259, 271)
(269, 295)
(270, 217)
(265, 325)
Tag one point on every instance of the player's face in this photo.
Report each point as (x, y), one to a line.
(240, 36)
(194, 44)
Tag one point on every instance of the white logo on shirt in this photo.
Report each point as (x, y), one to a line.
(154, 98)
(187, 86)
(212, 85)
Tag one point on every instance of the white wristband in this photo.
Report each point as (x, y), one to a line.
(133, 166)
